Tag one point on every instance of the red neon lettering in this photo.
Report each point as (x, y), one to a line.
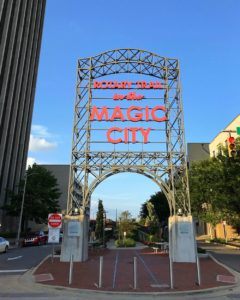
(104, 85)
(119, 85)
(111, 140)
(97, 85)
(139, 86)
(145, 133)
(133, 96)
(138, 116)
(158, 85)
(117, 114)
(134, 131)
(129, 84)
(129, 96)
(155, 118)
(112, 84)
(126, 85)
(147, 113)
(125, 135)
(99, 115)
(151, 85)
(118, 97)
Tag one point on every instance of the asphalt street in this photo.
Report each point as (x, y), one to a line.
(20, 260)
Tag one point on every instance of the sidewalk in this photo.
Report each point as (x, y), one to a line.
(205, 238)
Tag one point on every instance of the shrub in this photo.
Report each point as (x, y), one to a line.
(119, 243)
(201, 250)
(130, 243)
(218, 240)
(125, 243)
(153, 238)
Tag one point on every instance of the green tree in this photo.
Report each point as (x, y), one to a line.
(41, 197)
(206, 183)
(152, 219)
(231, 173)
(126, 224)
(160, 205)
(100, 221)
(214, 189)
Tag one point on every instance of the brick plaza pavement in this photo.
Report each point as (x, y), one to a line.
(152, 272)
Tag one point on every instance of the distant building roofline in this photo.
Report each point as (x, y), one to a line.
(199, 143)
(224, 128)
(54, 164)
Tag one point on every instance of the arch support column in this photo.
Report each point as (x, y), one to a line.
(182, 245)
(75, 239)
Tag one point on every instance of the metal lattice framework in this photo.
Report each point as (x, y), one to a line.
(162, 160)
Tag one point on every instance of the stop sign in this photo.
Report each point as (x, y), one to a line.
(55, 220)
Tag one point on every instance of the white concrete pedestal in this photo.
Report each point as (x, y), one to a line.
(182, 244)
(75, 238)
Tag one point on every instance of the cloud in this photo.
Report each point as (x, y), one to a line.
(40, 144)
(41, 139)
(30, 161)
(40, 131)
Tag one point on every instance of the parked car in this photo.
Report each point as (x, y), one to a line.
(4, 245)
(36, 238)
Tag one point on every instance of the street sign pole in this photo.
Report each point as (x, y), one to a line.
(54, 225)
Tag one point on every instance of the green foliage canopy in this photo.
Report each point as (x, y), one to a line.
(152, 219)
(100, 221)
(41, 196)
(160, 205)
(215, 189)
(126, 224)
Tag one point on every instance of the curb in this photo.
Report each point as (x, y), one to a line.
(228, 245)
(232, 246)
(176, 293)
(232, 271)
(29, 277)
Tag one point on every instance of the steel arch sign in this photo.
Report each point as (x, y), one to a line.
(128, 117)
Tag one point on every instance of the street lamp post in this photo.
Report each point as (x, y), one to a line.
(21, 211)
(104, 225)
(119, 234)
(22, 205)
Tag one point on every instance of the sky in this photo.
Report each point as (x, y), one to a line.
(203, 35)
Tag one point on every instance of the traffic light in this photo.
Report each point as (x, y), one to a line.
(231, 146)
